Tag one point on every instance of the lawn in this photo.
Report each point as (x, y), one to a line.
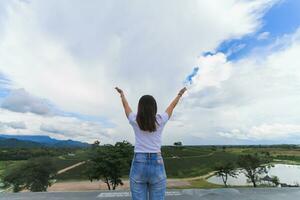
(77, 173)
(196, 166)
(180, 162)
(188, 162)
(7, 164)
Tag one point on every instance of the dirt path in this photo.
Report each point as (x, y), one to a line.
(99, 185)
(70, 167)
(199, 177)
(198, 156)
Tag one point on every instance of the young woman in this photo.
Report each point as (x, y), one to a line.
(147, 173)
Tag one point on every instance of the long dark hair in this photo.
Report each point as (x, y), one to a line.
(146, 115)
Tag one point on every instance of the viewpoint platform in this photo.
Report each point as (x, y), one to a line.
(190, 194)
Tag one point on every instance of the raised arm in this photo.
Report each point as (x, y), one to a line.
(124, 101)
(173, 104)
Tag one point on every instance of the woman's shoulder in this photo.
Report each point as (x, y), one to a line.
(131, 117)
(162, 117)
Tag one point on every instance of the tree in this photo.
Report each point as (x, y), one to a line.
(109, 162)
(224, 170)
(95, 144)
(224, 148)
(275, 180)
(178, 144)
(34, 175)
(253, 166)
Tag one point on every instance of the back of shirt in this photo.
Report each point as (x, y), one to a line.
(145, 141)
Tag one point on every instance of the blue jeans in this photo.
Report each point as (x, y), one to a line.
(148, 177)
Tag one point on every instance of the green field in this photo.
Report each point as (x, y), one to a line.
(192, 161)
(199, 160)
(191, 166)
(77, 173)
(7, 164)
(180, 162)
(60, 162)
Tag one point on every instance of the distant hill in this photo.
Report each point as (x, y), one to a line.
(37, 140)
(11, 142)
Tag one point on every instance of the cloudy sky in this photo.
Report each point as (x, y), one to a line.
(61, 59)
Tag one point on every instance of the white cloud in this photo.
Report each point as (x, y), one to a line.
(12, 125)
(213, 70)
(70, 127)
(266, 132)
(75, 57)
(275, 131)
(19, 100)
(263, 36)
(257, 100)
(122, 42)
(55, 126)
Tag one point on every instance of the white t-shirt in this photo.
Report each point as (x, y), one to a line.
(145, 141)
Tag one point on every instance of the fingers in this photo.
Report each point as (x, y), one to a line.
(119, 90)
(182, 91)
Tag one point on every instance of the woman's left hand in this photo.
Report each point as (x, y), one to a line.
(119, 90)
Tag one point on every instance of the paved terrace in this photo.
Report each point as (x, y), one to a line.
(190, 194)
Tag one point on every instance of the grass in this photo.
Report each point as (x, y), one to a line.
(180, 162)
(7, 164)
(192, 161)
(204, 184)
(60, 162)
(77, 173)
(63, 163)
(185, 151)
(196, 166)
(292, 159)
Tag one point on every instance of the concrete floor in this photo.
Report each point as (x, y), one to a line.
(190, 194)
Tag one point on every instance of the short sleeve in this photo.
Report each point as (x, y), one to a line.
(131, 117)
(164, 117)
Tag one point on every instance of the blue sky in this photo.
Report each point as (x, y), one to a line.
(281, 19)
(58, 70)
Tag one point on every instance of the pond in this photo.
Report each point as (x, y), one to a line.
(289, 174)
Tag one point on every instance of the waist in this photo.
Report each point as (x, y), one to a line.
(148, 156)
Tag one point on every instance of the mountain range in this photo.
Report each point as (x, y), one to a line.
(28, 141)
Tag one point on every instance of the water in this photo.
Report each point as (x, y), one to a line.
(289, 174)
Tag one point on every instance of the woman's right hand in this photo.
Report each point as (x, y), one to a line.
(182, 91)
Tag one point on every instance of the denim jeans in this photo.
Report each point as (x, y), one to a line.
(148, 178)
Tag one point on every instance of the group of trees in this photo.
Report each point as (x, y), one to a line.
(110, 163)
(178, 144)
(252, 165)
(27, 153)
(35, 175)
(106, 162)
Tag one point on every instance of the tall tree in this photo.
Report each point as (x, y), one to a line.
(34, 175)
(224, 170)
(253, 166)
(109, 163)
